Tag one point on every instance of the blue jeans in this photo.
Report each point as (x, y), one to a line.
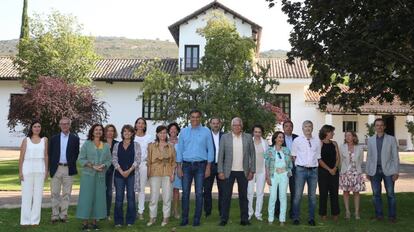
(120, 185)
(192, 170)
(376, 190)
(310, 176)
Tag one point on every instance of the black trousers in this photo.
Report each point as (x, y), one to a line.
(207, 188)
(292, 195)
(328, 185)
(228, 192)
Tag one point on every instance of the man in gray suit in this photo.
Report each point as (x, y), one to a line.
(383, 164)
(236, 161)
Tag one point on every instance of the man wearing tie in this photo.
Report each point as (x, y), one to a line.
(216, 133)
(63, 153)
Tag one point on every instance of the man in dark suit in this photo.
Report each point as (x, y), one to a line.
(63, 153)
(237, 161)
(289, 137)
(215, 126)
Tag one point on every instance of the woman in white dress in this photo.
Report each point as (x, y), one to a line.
(143, 138)
(32, 173)
(257, 184)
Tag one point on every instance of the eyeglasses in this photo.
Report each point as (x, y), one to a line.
(278, 154)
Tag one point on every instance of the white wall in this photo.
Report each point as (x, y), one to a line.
(300, 110)
(123, 103)
(8, 139)
(189, 36)
(401, 132)
(123, 107)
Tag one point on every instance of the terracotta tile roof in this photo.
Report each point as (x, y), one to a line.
(175, 27)
(123, 69)
(7, 69)
(372, 107)
(106, 69)
(279, 68)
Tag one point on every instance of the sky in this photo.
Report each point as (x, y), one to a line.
(144, 19)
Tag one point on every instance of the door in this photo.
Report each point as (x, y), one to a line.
(389, 124)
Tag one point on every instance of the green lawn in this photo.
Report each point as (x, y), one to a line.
(406, 158)
(9, 221)
(9, 177)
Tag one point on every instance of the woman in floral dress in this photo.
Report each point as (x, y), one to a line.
(351, 178)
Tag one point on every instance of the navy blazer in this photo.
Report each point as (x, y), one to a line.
(294, 136)
(72, 153)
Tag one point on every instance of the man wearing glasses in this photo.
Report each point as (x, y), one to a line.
(236, 161)
(306, 151)
(63, 153)
(195, 153)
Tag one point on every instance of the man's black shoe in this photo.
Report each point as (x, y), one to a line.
(311, 222)
(245, 223)
(223, 223)
(296, 222)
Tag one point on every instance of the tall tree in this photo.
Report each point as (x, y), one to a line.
(56, 48)
(365, 44)
(24, 28)
(49, 99)
(227, 84)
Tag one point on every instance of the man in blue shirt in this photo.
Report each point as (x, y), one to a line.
(195, 153)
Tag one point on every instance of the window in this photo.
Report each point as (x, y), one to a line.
(152, 106)
(192, 53)
(283, 102)
(349, 126)
(13, 99)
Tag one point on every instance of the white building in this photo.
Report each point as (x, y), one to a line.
(120, 88)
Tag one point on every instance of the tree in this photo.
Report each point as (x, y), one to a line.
(227, 84)
(24, 29)
(52, 98)
(55, 48)
(364, 44)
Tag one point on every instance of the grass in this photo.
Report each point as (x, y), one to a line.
(407, 158)
(9, 173)
(9, 220)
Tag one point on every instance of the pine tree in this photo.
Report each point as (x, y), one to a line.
(24, 29)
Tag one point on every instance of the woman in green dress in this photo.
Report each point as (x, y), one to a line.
(95, 158)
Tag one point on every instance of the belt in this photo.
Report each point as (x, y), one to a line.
(62, 164)
(195, 162)
(310, 168)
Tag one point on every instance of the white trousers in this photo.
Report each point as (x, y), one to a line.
(32, 191)
(258, 181)
(142, 182)
(163, 182)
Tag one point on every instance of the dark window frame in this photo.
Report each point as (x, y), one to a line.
(191, 65)
(283, 107)
(354, 126)
(150, 108)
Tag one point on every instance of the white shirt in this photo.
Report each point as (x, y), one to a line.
(216, 140)
(63, 146)
(237, 164)
(143, 143)
(289, 141)
(306, 151)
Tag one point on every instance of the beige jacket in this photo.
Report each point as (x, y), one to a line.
(161, 163)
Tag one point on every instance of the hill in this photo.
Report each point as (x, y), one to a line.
(120, 47)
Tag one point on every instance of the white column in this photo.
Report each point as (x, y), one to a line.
(328, 119)
(410, 145)
(371, 118)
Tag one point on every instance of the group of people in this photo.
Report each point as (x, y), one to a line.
(174, 158)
